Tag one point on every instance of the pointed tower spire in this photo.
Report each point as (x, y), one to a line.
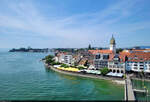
(113, 44)
(112, 41)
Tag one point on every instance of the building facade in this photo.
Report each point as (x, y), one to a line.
(115, 65)
(138, 62)
(101, 60)
(68, 59)
(102, 56)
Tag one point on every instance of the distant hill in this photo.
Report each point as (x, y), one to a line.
(144, 47)
(141, 47)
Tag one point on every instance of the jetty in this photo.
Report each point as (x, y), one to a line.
(129, 92)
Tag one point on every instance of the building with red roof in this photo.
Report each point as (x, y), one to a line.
(138, 62)
(101, 57)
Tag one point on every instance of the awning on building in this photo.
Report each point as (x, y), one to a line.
(93, 71)
(115, 74)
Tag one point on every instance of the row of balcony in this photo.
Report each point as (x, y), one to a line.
(115, 66)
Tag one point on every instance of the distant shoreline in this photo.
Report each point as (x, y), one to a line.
(44, 50)
(113, 79)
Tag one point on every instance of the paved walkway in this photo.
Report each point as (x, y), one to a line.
(130, 93)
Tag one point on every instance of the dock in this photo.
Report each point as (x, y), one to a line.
(129, 92)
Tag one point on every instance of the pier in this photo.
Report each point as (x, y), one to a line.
(129, 92)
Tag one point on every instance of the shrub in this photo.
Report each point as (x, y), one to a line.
(64, 65)
(73, 66)
(104, 71)
(124, 76)
(80, 67)
(48, 61)
(49, 57)
(55, 63)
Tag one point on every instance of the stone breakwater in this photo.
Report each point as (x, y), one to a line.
(113, 79)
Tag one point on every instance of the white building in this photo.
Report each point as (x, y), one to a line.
(68, 59)
(115, 65)
(138, 61)
(60, 57)
(65, 58)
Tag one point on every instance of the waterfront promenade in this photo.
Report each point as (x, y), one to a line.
(113, 79)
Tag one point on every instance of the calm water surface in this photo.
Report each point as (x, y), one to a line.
(138, 84)
(23, 77)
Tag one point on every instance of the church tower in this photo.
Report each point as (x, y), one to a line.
(113, 44)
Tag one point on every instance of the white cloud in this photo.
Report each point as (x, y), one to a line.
(72, 29)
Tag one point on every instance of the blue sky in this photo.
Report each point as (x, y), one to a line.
(73, 23)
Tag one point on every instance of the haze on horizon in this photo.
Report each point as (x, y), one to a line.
(73, 23)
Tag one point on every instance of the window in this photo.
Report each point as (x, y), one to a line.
(114, 71)
(116, 62)
(105, 56)
(121, 71)
(135, 58)
(98, 56)
(117, 71)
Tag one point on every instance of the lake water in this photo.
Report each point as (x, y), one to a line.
(24, 77)
(138, 84)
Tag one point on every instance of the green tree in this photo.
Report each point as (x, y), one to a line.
(49, 59)
(104, 71)
(119, 50)
(86, 63)
(124, 76)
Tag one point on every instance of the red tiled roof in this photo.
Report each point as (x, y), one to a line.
(139, 56)
(135, 56)
(123, 55)
(61, 53)
(111, 56)
(100, 51)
